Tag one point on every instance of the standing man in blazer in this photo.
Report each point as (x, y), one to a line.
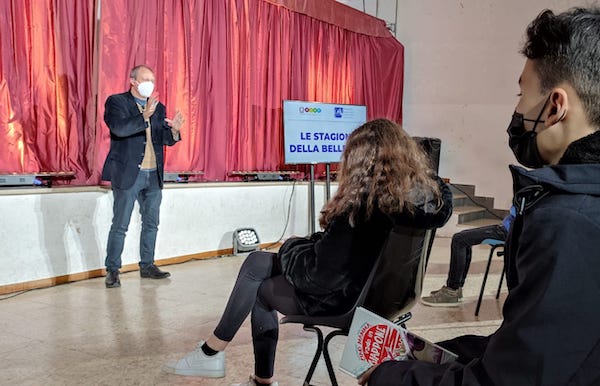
(139, 130)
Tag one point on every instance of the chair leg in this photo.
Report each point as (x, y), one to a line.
(318, 352)
(328, 358)
(501, 279)
(487, 270)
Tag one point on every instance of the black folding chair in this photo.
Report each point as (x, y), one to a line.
(392, 288)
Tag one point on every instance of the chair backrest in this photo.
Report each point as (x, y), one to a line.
(391, 289)
(397, 280)
(394, 283)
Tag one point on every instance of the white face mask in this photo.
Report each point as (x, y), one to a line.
(145, 88)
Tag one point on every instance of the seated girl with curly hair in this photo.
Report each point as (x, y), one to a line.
(384, 179)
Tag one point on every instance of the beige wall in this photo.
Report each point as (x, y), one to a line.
(461, 70)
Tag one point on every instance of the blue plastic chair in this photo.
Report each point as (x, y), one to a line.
(495, 244)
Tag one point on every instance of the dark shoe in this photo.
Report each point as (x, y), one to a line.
(444, 288)
(153, 272)
(112, 279)
(444, 297)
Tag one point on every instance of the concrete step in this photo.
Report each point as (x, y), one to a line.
(466, 213)
(482, 222)
(465, 217)
(452, 226)
(459, 199)
(468, 198)
(463, 189)
(469, 211)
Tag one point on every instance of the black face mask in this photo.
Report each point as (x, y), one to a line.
(522, 142)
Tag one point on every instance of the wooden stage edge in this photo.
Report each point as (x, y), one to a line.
(52, 281)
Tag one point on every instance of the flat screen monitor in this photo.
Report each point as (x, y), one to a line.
(317, 132)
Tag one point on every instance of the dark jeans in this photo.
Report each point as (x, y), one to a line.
(146, 190)
(260, 288)
(460, 250)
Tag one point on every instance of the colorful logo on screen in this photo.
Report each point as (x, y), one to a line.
(338, 112)
(309, 110)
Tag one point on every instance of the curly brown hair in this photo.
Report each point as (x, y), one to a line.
(380, 168)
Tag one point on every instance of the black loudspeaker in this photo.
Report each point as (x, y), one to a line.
(432, 147)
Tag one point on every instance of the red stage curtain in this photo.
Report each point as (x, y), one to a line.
(226, 64)
(46, 104)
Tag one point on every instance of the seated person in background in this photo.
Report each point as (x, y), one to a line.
(549, 333)
(450, 295)
(384, 178)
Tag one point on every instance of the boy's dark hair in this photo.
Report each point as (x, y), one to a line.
(566, 47)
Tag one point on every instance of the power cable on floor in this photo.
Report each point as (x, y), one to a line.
(287, 220)
(13, 295)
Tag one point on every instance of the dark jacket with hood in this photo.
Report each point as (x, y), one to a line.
(550, 333)
(329, 269)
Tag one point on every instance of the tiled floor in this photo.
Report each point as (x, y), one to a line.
(85, 334)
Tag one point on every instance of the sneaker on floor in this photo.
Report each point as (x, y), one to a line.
(153, 272)
(198, 364)
(251, 382)
(444, 297)
(460, 294)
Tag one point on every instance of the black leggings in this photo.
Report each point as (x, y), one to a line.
(261, 288)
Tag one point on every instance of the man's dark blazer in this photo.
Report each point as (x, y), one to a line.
(128, 139)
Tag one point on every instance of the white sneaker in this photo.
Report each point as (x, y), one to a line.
(251, 382)
(198, 364)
